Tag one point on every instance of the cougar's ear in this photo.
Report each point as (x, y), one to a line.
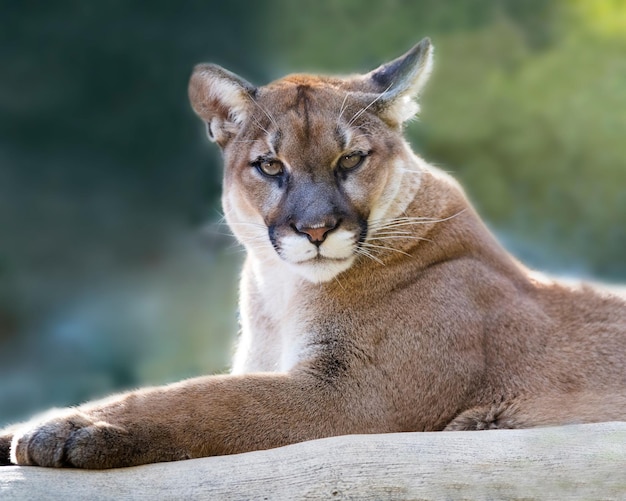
(399, 82)
(221, 99)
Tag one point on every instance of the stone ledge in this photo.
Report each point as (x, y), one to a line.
(566, 463)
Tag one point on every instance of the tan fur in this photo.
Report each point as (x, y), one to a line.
(407, 316)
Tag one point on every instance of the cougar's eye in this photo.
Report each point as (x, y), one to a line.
(272, 168)
(351, 161)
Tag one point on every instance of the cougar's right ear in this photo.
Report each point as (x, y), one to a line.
(392, 89)
(221, 99)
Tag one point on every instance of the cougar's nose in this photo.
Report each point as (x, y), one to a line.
(316, 233)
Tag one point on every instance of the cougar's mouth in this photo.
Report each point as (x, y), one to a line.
(317, 262)
(320, 259)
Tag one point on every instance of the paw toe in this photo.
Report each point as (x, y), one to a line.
(46, 444)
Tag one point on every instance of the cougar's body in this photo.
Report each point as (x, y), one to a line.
(373, 298)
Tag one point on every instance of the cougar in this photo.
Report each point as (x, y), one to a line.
(373, 298)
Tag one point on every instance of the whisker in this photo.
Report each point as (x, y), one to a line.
(389, 234)
(392, 232)
(391, 222)
(341, 109)
(418, 218)
(372, 246)
(365, 125)
(368, 254)
(244, 223)
(357, 136)
(257, 243)
(401, 224)
(233, 251)
(258, 124)
(222, 234)
(401, 237)
(406, 221)
(340, 284)
(404, 218)
(264, 110)
(363, 110)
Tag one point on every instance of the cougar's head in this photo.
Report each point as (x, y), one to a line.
(312, 163)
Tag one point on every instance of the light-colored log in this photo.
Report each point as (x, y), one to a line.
(566, 463)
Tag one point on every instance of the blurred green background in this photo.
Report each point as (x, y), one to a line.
(112, 274)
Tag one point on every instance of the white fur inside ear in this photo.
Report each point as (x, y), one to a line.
(219, 130)
(230, 95)
(404, 107)
(221, 99)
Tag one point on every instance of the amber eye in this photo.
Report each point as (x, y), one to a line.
(270, 168)
(351, 161)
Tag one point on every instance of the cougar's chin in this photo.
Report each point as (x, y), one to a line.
(321, 269)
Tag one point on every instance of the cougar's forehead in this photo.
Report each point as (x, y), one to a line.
(306, 118)
(307, 124)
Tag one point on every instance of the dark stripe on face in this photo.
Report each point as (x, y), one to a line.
(276, 140)
(341, 137)
(302, 109)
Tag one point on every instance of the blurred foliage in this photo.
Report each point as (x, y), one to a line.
(107, 279)
(540, 143)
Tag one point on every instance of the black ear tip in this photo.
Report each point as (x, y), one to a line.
(424, 44)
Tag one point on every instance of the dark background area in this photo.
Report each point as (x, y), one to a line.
(112, 272)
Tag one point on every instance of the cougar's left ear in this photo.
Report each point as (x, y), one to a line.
(400, 81)
(221, 99)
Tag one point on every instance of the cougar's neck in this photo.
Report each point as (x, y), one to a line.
(429, 222)
(452, 229)
(420, 205)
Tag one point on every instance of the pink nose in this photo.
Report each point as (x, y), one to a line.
(315, 234)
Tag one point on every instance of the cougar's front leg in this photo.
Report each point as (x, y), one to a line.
(195, 418)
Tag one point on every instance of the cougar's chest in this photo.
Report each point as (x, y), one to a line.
(275, 322)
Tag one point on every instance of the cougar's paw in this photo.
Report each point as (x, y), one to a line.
(70, 440)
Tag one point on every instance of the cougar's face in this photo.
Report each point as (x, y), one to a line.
(313, 164)
(304, 175)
